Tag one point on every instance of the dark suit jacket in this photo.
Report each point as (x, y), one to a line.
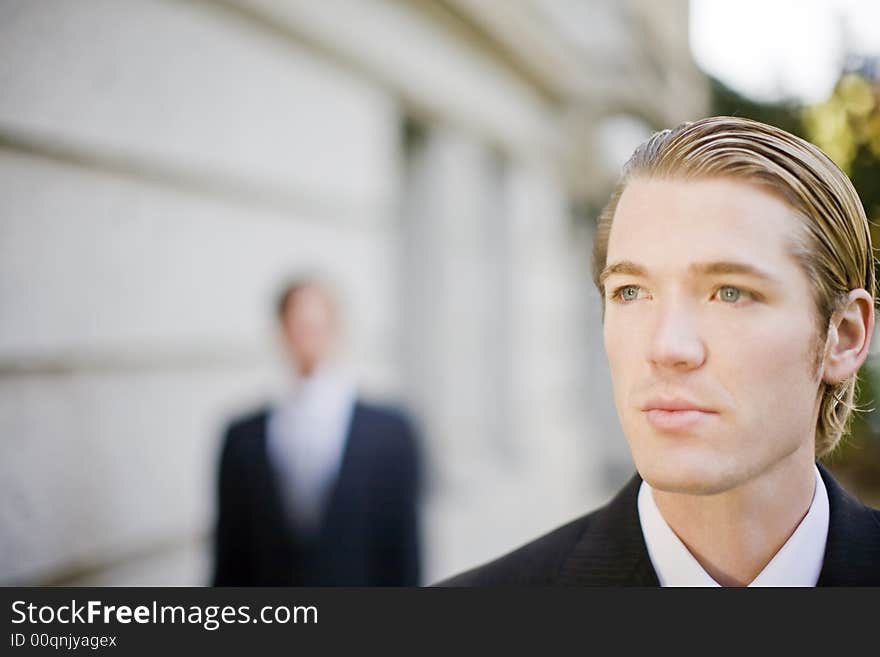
(369, 535)
(607, 548)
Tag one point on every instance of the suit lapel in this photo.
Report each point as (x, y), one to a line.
(611, 551)
(335, 500)
(265, 478)
(852, 552)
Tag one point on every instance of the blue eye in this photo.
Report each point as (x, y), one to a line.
(729, 294)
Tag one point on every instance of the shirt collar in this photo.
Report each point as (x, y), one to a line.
(328, 383)
(797, 563)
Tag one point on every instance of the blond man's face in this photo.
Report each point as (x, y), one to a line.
(710, 333)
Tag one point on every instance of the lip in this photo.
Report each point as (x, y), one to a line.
(673, 414)
(674, 404)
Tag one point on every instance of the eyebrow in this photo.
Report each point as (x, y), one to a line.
(629, 268)
(624, 268)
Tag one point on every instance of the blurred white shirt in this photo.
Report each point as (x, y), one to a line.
(307, 434)
(797, 563)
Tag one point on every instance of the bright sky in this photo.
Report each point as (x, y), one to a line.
(775, 49)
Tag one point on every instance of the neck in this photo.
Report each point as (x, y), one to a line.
(734, 534)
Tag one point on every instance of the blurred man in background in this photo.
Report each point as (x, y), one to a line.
(323, 488)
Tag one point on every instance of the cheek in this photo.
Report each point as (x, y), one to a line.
(770, 347)
(769, 371)
(625, 350)
(620, 346)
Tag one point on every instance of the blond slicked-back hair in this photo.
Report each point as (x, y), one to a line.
(834, 250)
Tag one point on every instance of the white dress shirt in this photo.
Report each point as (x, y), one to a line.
(797, 563)
(307, 434)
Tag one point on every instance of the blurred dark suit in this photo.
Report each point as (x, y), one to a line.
(367, 534)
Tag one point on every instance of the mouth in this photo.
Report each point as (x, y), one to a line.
(675, 415)
(674, 421)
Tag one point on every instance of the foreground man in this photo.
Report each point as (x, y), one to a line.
(735, 266)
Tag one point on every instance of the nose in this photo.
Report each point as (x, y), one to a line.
(676, 342)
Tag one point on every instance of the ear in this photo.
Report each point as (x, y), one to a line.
(849, 337)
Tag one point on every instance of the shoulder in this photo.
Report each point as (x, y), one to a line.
(538, 563)
(852, 551)
(245, 427)
(602, 548)
(844, 505)
(383, 415)
(236, 448)
(384, 425)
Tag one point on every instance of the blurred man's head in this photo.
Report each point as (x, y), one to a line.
(309, 324)
(735, 265)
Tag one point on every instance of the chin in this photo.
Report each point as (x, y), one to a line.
(691, 474)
